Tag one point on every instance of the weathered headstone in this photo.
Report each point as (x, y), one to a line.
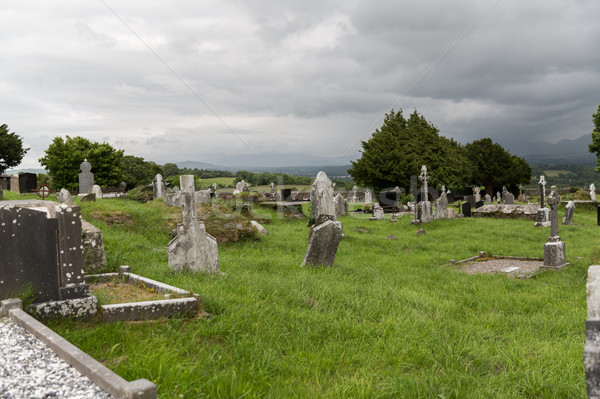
(341, 206)
(97, 191)
(193, 248)
(86, 177)
(322, 206)
(424, 211)
(14, 183)
(5, 182)
(450, 197)
(286, 194)
(477, 193)
(64, 196)
(397, 193)
(323, 244)
(569, 210)
(543, 215)
(479, 204)
(272, 186)
(593, 192)
(27, 183)
(354, 194)
(89, 197)
(242, 187)
(441, 205)
(487, 198)
(368, 197)
(466, 209)
(158, 187)
(554, 249)
(509, 198)
(471, 200)
(521, 197)
(542, 184)
(498, 197)
(94, 257)
(591, 352)
(378, 213)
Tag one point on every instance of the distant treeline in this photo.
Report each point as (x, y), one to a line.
(571, 175)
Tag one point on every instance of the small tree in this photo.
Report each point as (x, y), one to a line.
(11, 149)
(64, 157)
(137, 172)
(595, 146)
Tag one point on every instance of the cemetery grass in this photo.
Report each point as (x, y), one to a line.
(390, 319)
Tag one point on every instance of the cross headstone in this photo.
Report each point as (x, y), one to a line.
(424, 178)
(542, 184)
(554, 249)
(86, 177)
(424, 211)
(272, 186)
(569, 210)
(193, 248)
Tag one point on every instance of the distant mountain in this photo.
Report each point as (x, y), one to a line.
(198, 165)
(564, 152)
(17, 171)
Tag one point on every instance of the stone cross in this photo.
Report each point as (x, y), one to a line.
(553, 201)
(272, 185)
(542, 184)
(354, 192)
(424, 178)
(86, 177)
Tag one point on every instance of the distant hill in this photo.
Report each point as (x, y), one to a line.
(17, 171)
(564, 152)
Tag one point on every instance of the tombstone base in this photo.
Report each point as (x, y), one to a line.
(80, 308)
(554, 254)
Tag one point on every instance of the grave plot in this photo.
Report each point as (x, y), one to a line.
(511, 266)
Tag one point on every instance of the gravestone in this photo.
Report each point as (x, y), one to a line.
(593, 192)
(354, 194)
(64, 196)
(591, 352)
(286, 194)
(470, 199)
(487, 198)
(543, 215)
(450, 197)
(272, 187)
(323, 244)
(397, 193)
(242, 187)
(41, 245)
(554, 249)
(86, 177)
(193, 248)
(569, 210)
(341, 206)
(542, 184)
(14, 183)
(441, 205)
(213, 190)
(368, 197)
(97, 191)
(466, 209)
(476, 193)
(4, 182)
(378, 213)
(509, 198)
(498, 197)
(322, 206)
(172, 197)
(479, 204)
(521, 196)
(27, 183)
(424, 211)
(158, 187)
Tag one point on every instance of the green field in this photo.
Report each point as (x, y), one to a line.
(555, 173)
(225, 181)
(391, 319)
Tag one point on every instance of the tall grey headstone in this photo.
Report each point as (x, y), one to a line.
(14, 183)
(86, 177)
(441, 205)
(158, 187)
(554, 249)
(542, 184)
(322, 206)
(323, 244)
(368, 197)
(193, 248)
(591, 352)
(424, 211)
(569, 210)
(354, 194)
(341, 206)
(509, 198)
(593, 192)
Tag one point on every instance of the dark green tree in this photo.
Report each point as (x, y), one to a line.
(170, 170)
(136, 171)
(494, 167)
(64, 157)
(11, 149)
(595, 146)
(398, 149)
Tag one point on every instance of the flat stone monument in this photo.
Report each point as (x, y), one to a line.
(323, 244)
(193, 248)
(554, 249)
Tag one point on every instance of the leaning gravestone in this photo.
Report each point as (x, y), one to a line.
(86, 177)
(322, 206)
(193, 248)
(323, 244)
(64, 196)
(591, 352)
(554, 249)
(27, 183)
(569, 210)
(158, 187)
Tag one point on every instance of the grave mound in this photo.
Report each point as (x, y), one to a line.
(511, 266)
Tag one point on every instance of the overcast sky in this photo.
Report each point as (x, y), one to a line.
(217, 79)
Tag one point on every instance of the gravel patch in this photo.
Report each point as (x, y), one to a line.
(29, 369)
(510, 267)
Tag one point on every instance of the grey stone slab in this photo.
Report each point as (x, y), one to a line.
(86, 177)
(27, 183)
(323, 244)
(149, 310)
(64, 196)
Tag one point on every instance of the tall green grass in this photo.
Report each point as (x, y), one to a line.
(390, 320)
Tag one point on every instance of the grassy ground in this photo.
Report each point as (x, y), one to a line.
(389, 320)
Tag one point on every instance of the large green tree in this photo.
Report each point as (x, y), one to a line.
(398, 149)
(494, 167)
(595, 146)
(11, 149)
(136, 171)
(64, 157)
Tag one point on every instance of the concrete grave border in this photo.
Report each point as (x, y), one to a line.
(187, 304)
(82, 362)
(483, 254)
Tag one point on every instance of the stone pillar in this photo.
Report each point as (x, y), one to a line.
(542, 184)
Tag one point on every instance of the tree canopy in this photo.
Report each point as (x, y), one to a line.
(595, 146)
(64, 157)
(11, 149)
(136, 171)
(397, 150)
